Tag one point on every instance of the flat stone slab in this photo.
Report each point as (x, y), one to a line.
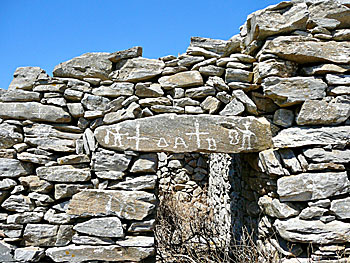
(114, 253)
(176, 133)
(33, 111)
(302, 136)
(125, 204)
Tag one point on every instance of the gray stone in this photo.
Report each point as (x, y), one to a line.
(92, 102)
(312, 231)
(274, 208)
(42, 198)
(320, 155)
(166, 109)
(218, 83)
(198, 51)
(35, 184)
(7, 184)
(221, 134)
(105, 160)
(145, 163)
(74, 95)
(183, 102)
(211, 104)
(57, 218)
(333, 79)
(276, 20)
(143, 226)
(25, 218)
(29, 254)
(289, 91)
(88, 65)
(6, 252)
(76, 109)
(155, 101)
(133, 52)
(148, 90)
(189, 61)
(204, 63)
(146, 182)
(315, 112)
(324, 69)
(19, 96)
(64, 173)
(308, 50)
(283, 117)
(312, 186)
(25, 77)
(137, 241)
(18, 203)
(248, 103)
(34, 158)
(234, 108)
(88, 240)
(211, 70)
(124, 204)
(217, 46)
(101, 227)
(131, 112)
(74, 159)
(302, 136)
(193, 110)
(114, 253)
(13, 168)
(138, 69)
(115, 90)
(273, 67)
(110, 175)
(9, 136)
(340, 208)
(339, 90)
(43, 235)
(33, 111)
(68, 190)
(52, 87)
(290, 161)
(182, 79)
(200, 92)
(238, 75)
(271, 161)
(341, 35)
(312, 212)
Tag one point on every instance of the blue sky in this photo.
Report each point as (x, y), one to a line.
(46, 32)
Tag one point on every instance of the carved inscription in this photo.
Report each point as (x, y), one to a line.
(179, 133)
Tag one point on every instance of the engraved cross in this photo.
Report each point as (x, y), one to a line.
(197, 134)
(137, 137)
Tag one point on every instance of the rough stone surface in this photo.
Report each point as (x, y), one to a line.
(221, 134)
(63, 173)
(129, 205)
(340, 208)
(182, 79)
(25, 77)
(101, 227)
(275, 208)
(89, 65)
(13, 168)
(320, 155)
(312, 186)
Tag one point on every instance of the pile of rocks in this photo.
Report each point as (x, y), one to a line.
(78, 162)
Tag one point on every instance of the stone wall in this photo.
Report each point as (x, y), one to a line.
(79, 162)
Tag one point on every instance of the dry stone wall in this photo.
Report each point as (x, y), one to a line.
(82, 151)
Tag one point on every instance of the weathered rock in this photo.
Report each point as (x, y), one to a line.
(312, 212)
(124, 204)
(289, 91)
(45, 235)
(115, 90)
(126, 54)
(182, 79)
(145, 163)
(68, 190)
(148, 90)
(234, 108)
(34, 158)
(315, 112)
(57, 218)
(221, 134)
(302, 136)
(200, 92)
(283, 117)
(25, 218)
(64, 173)
(137, 241)
(238, 75)
(89, 240)
(9, 136)
(248, 103)
(105, 160)
(147, 182)
(88, 65)
(339, 90)
(313, 231)
(312, 186)
(324, 69)
(273, 67)
(308, 50)
(6, 252)
(271, 161)
(189, 61)
(74, 159)
(7, 184)
(276, 20)
(340, 208)
(25, 77)
(114, 253)
(110, 175)
(19, 96)
(35, 184)
(18, 203)
(211, 70)
(217, 46)
(155, 101)
(274, 208)
(210, 104)
(101, 227)
(138, 69)
(14, 168)
(92, 102)
(29, 254)
(320, 155)
(33, 111)
(290, 161)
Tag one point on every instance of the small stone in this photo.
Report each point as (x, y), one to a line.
(145, 163)
(274, 208)
(117, 89)
(182, 79)
(189, 61)
(148, 90)
(7, 184)
(290, 161)
(106, 160)
(144, 226)
(211, 70)
(92, 102)
(211, 104)
(35, 184)
(312, 212)
(89, 240)
(29, 254)
(18, 203)
(340, 208)
(126, 54)
(166, 109)
(76, 109)
(68, 190)
(25, 77)
(155, 101)
(101, 227)
(238, 75)
(234, 108)
(25, 218)
(73, 95)
(64, 173)
(193, 110)
(146, 182)
(74, 159)
(248, 103)
(271, 161)
(283, 117)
